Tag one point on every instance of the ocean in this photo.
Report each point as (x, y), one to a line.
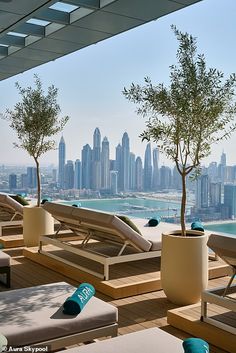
(147, 208)
(133, 207)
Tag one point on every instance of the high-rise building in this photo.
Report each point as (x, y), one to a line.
(113, 178)
(202, 191)
(23, 181)
(214, 194)
(12, 182)
(212, 171)
(69, 175)
(125, 169)
(165, 177)
(96, 166)
(105, 164)
(86, 167)
(132, 185)
(223, 159)
(78, 175)
(31, 177)
(230, 199)
(176, 179)
(156, 174)
(118, 166)
(139, 174)
(61, 164)
(147, 177)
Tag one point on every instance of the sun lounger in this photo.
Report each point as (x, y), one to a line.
(152, 340)
(225, 248)
(98, 228)
(11, 212)
(5, 267)
(33, 316)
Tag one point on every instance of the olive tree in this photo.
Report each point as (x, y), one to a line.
(196, 110)
(35, 119)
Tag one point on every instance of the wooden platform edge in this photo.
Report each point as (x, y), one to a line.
(213, 335)
(11, 241)
(105, 287)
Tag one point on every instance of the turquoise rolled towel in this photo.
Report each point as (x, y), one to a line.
(195, 345)
(197, 226)
(75, 303)
(153, 222)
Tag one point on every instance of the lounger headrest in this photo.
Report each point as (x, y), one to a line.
(224, 247)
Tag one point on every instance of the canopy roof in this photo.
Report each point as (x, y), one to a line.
(34, 32)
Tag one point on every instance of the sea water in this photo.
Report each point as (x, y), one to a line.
(147, 208)
(134, 207)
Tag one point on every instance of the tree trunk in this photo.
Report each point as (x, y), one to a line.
(183, 205)
(38, 182)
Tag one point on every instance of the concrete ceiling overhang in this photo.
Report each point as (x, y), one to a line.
(34, 32)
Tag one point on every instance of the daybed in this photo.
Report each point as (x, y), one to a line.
(5, 267)
(34, 316)
(152, 340)
(225, 248)
(98, 228)
(11, 212)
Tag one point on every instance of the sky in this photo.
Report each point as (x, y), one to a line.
(91, 80)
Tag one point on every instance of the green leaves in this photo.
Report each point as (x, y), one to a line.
(196, 110)
(35, 119)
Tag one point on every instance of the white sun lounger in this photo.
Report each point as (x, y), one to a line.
(153, 340)
(33, 316)
(225, 248)
(14, 208)
(104, 228)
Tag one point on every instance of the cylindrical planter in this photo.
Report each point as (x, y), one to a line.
(184, 266)
(36, 222)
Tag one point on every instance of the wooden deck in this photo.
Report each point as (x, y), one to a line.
(135, 313)
(126, 279)
(188, 318)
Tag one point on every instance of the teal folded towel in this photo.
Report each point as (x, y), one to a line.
(195, 345)
(153, 222)
(197, 226)
(74, 304)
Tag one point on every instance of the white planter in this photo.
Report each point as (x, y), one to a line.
(184, 266)
(36, 222)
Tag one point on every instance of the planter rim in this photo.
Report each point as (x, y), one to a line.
(176, 234)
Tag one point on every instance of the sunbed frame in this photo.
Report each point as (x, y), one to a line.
(108, 228)
(224, 247)
(10, 204)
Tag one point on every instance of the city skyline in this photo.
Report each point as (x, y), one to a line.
(90, 90)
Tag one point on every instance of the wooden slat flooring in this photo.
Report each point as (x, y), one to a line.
(135, 312)
(188, 318)
(126, 279)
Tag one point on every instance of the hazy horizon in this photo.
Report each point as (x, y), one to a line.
(91, 80)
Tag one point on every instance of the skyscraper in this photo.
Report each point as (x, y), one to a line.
(165, 177)
(147, 178)
(215, 194)
(61, 165)
(132, 171)
(156, 174)
(86, 167)
(139, 174)
(105, 164)
(12, 181)
(78, 176)
(96, 175)
(230, 199)
(118, 166)
(202, 191)
(31, 177)
(69, 175)
(113, 178)
(125, 160)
